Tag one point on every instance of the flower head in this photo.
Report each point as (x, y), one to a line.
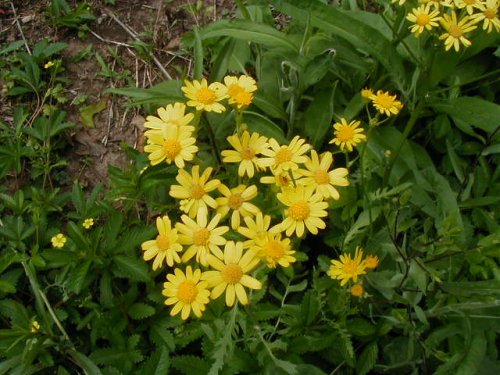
(348, 268)
(247, 147)
(171, 115)
(49, 64)
(230, 273)
(371, 262)
(304, 210)
(186, 292)
(366, 93)
(205, 97)
(58, 240)
(386, 103)
(488, 13)
(88, 223)
(194, 189)
(165, 247)
(256, 227)
(283, 158)
(273, 250)
(281, 180)
(357, 290)
(347, 135)
(469, 5)
(240, 90)
(455, 30)
(237, 201)
(319, 175)
(35, 327)
(424, 18)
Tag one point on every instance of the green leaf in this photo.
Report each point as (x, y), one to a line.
(78, 276)
(158, 95)
(367, 359)
(309, 308)
(262, 125)
(190, 365)
(198, 55)
(85, 363)
(456, 162)
(469, 288)
(474, 355)
(318, 118)
(360, 327)
(132, 268)
(140, 311)
(87, 113)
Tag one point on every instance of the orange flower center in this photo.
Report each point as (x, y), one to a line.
(470, 2)
(162, 242)
(422, 19)
(235, 201)
(490, 13)
(351, 268)
(201, 237)
(247, 153)
(206, 96)
(231, 273)
(455, 31)
(233, 90)
(321, 177)
(171, 148)
(345, 133)
(243, 98)
(196, 191)
(187, 292)
(274, 249)
(299, 211)
(357, 290)
(371, 262)
(283, 155)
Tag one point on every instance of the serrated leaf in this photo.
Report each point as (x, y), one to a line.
(132, 268)
(190, 365)
(140, 311)
(78, 276)
(367, 359)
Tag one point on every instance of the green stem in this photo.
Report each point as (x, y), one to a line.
(211, 135)
(243, 9)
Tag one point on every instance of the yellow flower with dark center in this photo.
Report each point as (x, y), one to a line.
(58, 240)
(423, 18)
(319, 175)
(386, 103)
(371, 262)
(456, 30)
(273, 250)
(230, 273)
(165, 247)
(348, 268)
(237, 201)
(240, 90)
(194, 189)
(35, 327)
(287, 157)
(88, 223)
(246, 151)
(304, 210)
(186, 292)
(205, 97)
(172, 144)
(201, 237)
(256, 228)
(347, 135)
(488, 13)
(357, 290)
(171, 115)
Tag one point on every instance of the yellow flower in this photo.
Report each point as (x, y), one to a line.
(469, 5)
(281, 180)
(347, 135)
(274, 250)
(205, 97)
(256, 228)
(371, 262)
(171, 115)
(357, 290)
(423, 17)
(194, 189)
(201, 236)
(186, 292)
(319, 175)
(172, 144)
(285, 158)
(165, 246)
(246, 149)
(237, 200)
(455, 31)
(348, 268)
(240, 90)
(35, 326)
(88, 223)
(386, 103)
(49, 64)
(488, 13)
(304, 211)
(230, 273)
(58, 240)
(366, 93)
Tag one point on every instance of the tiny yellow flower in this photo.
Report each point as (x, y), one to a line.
(237, 201)
(348, 268)
(88, 223)
(455, 30)
(423, 18)
(171, 115)
(347, 135)
(165, 247)
(357, 290)
(205, 97)
(386, 103)
(58, 240)
(35, 327)
(371, 262)
(240, 90)
(247, 148)
(49, 64)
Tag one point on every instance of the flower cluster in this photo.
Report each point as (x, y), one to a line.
(225, 231)
(351, 268)
(453, 20)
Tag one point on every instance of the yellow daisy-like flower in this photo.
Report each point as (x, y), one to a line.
(285, 158)
(88, 223)
(165, 247)
(194, 189)
(305, 208)
(488, 13)
(171, 115)
(386, 103)
(246, 151)
(172, 144)
(348, 268)
(237, 200)
(319, 175)
(274, 250)
(35, 327)
(240, 90)
(357, 290)
(366, 93)
(256, 228)
(186, 292)
(231, 273)
(205, 97)
(455, 31)
(371, 262)
(424, 18)
(469, 5)
(58, 240)
(201, 237)
(347, 135)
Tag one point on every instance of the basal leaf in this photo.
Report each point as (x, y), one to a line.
(367, 359)
(132, 268)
